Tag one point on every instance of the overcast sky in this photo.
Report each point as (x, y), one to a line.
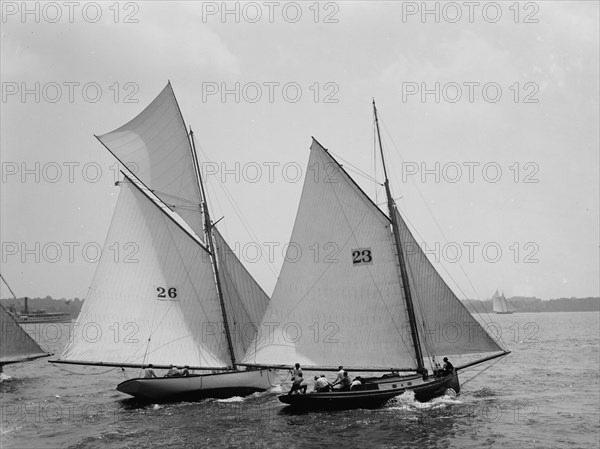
(490, 123)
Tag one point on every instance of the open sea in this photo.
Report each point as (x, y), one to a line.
(546, 394)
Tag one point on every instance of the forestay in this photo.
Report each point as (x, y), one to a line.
(156, 148)
(338, 299)
(15, 344)
(153, 298)
(245, 301)
(445, 325)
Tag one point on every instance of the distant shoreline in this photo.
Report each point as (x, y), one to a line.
(536, 305)
(522, 304)
(541, 311)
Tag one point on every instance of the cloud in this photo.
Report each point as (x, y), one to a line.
(164, 40)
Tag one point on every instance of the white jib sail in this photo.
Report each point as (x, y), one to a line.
(338, 299)
(155, 147)
(15, 344)
(153, 298)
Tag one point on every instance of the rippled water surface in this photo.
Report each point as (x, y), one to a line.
(545, 394)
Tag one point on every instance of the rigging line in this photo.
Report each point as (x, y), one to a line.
(175, 197)
(238, 212)
(166, 221)
(480, 372)
(368, 268)
(249, 231)
(362, 174)
(429, 346)
(189, 277)
(157, 324)
(459, 265)
(426, 205)
(188, 208)
(451, 277)
(355, 168)
(374, 160)
(236, 292)
(439, 229)
(329, 264)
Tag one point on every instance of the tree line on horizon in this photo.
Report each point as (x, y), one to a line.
(49, 304)
(520, 303)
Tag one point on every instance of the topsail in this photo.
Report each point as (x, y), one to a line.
(159, 295)
(156, 149)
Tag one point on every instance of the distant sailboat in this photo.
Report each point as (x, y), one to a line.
(500, 304)
(168, 299)
(15, 344)
(372, 301)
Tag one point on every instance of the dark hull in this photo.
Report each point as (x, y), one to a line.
(375, 394)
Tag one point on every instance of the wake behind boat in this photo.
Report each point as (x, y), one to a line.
(374, 304)
(171, 298)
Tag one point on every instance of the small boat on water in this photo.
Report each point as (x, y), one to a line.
(372, 302)
(38, 316)
(500, 304)
(172, 298)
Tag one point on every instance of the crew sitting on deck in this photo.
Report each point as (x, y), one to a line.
(356, 383)
(297, 380)
(173, 372)
(185, 371)
(296, 371)
(448, 367)
(297, 386)
(340, 376)
(345, 382)
(149, 372)
(322, 385)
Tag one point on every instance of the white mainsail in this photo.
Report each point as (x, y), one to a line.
(446, 327)
(15, 344)
(156, 148)
(338, 299)
(245, 301)
(348, 306)
(153, 302)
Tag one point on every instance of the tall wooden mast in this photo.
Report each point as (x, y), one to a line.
(211, 246)
(402, 263)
